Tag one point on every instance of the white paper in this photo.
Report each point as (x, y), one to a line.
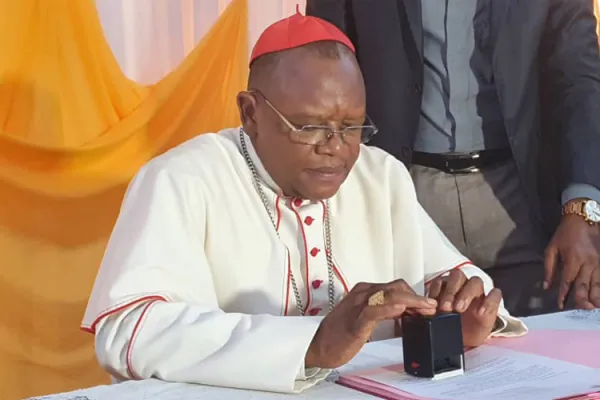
(157, 390)
(500, 374)
(375, 355)
(570, 320)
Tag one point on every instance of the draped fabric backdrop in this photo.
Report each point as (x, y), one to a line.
(89, 91)
(151, 37)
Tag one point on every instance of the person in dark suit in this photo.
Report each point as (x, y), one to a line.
(495, 107)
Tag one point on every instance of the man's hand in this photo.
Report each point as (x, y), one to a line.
(345, 330)
(576, 244)
(465, 296)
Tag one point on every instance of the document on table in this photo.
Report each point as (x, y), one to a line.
(499, 374)
(375, 355)
(578, 320)
(153, 389)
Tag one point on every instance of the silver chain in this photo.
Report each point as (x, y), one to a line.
(328, 254)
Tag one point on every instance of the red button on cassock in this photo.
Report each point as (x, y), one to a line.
(317, 284)
(309, 220)
(314, 252)
(298, 202)
(314, 311)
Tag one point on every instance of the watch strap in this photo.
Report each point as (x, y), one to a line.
(575, 207)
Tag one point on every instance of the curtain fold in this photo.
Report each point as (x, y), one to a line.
(73, 131)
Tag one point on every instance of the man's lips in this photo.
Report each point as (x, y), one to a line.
(327, 173)
(329, 170)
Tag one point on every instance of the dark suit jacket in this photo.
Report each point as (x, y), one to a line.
(546, 67)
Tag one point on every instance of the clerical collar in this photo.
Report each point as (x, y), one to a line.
(260, 169)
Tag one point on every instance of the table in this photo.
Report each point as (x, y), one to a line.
(376, 354)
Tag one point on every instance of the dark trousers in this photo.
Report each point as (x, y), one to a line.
(487, 217)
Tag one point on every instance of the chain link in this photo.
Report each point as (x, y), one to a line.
(328, 254)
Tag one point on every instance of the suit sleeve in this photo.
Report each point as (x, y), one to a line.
(571, 75)
(154, 308)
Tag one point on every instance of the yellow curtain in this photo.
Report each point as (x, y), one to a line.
(73, 131)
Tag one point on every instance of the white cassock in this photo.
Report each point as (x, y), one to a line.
(195, 283)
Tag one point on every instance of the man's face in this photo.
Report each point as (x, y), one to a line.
(306, 89)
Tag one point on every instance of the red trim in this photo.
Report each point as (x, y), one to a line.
(341, 278)
(134, 334)
(278, 212)
(119, 307)
(335, 269)
(464, 263)
(287, 286)
(308, 287)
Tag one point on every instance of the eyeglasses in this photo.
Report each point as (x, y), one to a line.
(321, 134)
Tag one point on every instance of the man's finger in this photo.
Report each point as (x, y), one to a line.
(471, 290)
(595, 288)
(421, 311)
(550, 263)
(582, 287)
(372, 314)
(393, 309)
(361, 292)
(435, 288)
(409, 300)
(571, 268)
(453, 285)
(491, 304)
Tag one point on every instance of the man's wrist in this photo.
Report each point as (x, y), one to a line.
(311, 358)
(582, 209)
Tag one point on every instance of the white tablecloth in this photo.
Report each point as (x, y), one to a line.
(376, 354)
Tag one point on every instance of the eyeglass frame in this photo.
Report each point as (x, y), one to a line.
(332, 132)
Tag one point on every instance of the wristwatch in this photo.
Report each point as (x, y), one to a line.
(586, 208)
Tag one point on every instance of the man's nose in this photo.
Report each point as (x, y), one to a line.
(335, 145)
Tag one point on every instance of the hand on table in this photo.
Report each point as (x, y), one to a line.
(479, 312)
(576, 244)
(345, 330)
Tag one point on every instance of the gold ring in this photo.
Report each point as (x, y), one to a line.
(377, 299)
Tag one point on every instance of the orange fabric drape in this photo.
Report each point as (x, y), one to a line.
(73, 131)
(597, 12)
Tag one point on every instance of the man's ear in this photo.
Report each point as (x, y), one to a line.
(247, 107)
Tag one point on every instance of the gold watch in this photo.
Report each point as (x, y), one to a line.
(586, 208)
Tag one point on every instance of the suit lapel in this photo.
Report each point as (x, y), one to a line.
(502, 41)
(500, 12)
(415, 21)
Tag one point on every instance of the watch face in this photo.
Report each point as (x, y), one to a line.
(592, 210)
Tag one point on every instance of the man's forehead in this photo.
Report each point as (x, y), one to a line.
(316, 86)
(297, 31)
(307, 70)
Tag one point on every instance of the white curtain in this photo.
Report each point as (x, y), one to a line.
(150, 37)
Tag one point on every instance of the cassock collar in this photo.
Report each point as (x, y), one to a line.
(260, 169)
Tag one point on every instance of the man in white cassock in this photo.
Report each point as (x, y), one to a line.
(241, 259)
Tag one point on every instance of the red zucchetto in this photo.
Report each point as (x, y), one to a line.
(295, 31)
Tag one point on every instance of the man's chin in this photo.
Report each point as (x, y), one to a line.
(320, 192)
